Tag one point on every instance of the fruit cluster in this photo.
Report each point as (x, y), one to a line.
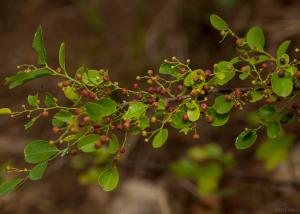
(176, 95)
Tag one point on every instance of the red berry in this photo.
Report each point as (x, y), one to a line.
(154, 104)
(85, 93)
(185, 117)
(135, 86)
(182, 70)
(209, 118)
(208, 73)
(106, 78)
(238, 92)
(93, 95)
(281, 73)
(122, 150)
(297, 74)
(126, 124)
(228, 97)
(73, 152)
(106, 120)
(151, 90)
(78, 76)
(170, 109)
(98, 145)
(124, 91)
(179, 98)
(55, 130)
(204, 106)
(96, 126)
(45, 114)
(77, 111)
(65, 83)
(120, 126)
(179, 87)
(282, 61)
(104, 138)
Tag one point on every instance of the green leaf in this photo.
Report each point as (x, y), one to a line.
(166, 68)
(177, 122)
(274, 151)
(8, 186)
(218, 119)
(224, 72)
(38, 151)
(221, 105)
(5, 111)
(255, 38)
(218, 23)
(160, 138)
(244, 76)
(161, 104)
(49, 100)
(188, 80)
(113, 145)
(92, 77)
(144, 122)
(31, 122)
(273, 129)
(62, 117)
(283, 48)
(109, 179)
(24, 76)
(101, 108)
(135, 110)
(87, 143)
(70, 93)
(255, 96)
(193, 112)
(246, 139)
(267, 112)
(38, 46)
(37, 172)
(282, 86)
(61, 56)
(32, 100)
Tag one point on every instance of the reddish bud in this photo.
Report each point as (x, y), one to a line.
(135, 86)
(204, 106)
(182, 70)
(209, 119)
(297, 74)
(85, 93)
(126, 124)
(45, 114)
(65, 83)
(98, 145)
(122, 150)
(104, 138)
(228, 97)
(179, 87)
(73, 152)
(106, 78)
(78, 77)
(185, 117)
(55, 130)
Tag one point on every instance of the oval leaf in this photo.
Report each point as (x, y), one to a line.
(109, 179)
(8, 186)
(282, 86)
(218, 23)
(245, 139)
(273, 129)
(222, 105)
(5, 111)
(38, 151)
(160, 138)
(37, 172)
(255, 38)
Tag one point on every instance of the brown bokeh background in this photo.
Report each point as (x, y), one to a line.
(129, 37)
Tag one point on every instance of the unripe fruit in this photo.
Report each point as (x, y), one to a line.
(106, 78)
(106, 120)
(209, 119)
(150, 72)
(126, 124)
(228, 97)
(196, 136)
(194, 92)
(65, 83)
(170, 109)
(149, 81)
(269, 101)
(154, 104)
(222, 33)
(78, 76)
(182, 70)
(151, 90)
(239, 42)
(264, 65)
(120, 126)
(243, 69)
(77, 111)
(73, 152)
(185, 117)
(93, 95)
(55, 130)
(153, 119)
(98, 145)
(85, 93)
(124, 91)
(297, 74)
(135, 86)
(144, 133)
(253, 82)
(45, 114)
(204, 106)
(104, 139)
(281, 73)
(101, 71)
(138, 78)
(208, 73)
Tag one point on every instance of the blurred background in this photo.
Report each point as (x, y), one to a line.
(129, 37)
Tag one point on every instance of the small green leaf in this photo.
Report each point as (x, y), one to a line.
(246, 139)
(144, 122)
(32, 100)
(267, 112)
(24, 76)
(87, 143)
(135, 110)
(38, 151)
(8, 186)
(166, 68)
(61, 56)
(5, 111)
(255, 96)
(225, 70)
(62, 117)
(31, 122)
(101, 108)
(177, 122)
(255, 38)
(37, 172)
(273, 129)
(218, 119)
(49, 100)
(113, 145)
(221, 105)
(189, 79)
(218, 23)
(109, 179)
(282, 86)
(160, 138)
(38, 46)
(283, 48)
(193, 113)
(70, 93)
